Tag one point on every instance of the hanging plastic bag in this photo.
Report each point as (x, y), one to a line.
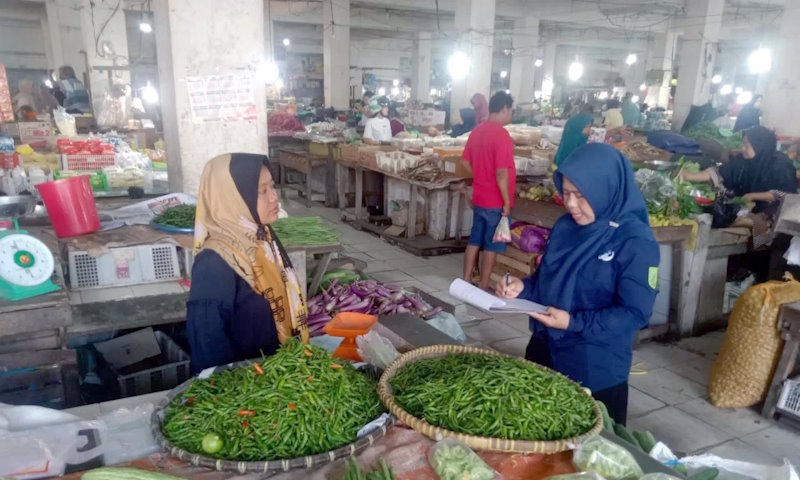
(502, 233)
(376, 350)
(608, 459)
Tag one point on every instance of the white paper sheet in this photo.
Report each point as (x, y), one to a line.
(476, 297)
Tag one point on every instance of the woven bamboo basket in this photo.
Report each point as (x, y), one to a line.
(480, 443)
(267, 466)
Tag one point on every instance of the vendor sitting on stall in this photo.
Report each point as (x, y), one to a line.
(598, 277)
(576, 133)
(245, 298)
(378, 129)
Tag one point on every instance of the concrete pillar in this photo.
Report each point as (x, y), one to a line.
(659, 62)
(475, 20)
(336, 53)
(526, 42)
(783, 92)
(196, 39)
(269, 40)
(64, 36)
(700, 35)
(549, 70)
(421, 68)
(108, 49)
(55, 57)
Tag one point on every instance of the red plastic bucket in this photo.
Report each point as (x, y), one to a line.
(70, 205)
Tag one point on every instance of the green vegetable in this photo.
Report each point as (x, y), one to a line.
(728, 139)
(623, 433)
(305, 402)
(453, 461)
(493, 396)
(295, 231)
(354, 472)
(645, 440)
(608, 459)
(708, 473)
(342, 276)
(608, 422)
(212, 443)
(180, 216)
(108, 473)
(681, 468)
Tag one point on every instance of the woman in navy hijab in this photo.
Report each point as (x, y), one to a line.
(598, 277)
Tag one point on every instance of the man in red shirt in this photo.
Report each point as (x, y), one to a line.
(489, 155)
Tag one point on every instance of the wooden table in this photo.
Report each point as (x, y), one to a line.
(299, 160)
(789, 325)
(325, 252)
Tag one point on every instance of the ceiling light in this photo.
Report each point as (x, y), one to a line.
(744, 97)
(631, 59)
(458, 65)
(48, 83)
(716, 79)
(145, 27)
(395, 90)
(726, 89)
(635, 98)
(508, 91)
(279, 83)
(149, 94)
(643, 87)
(268, 71)
(575, 71)
(738, 90)
(286, 42)
(503, 74)
(395, 82)
(538, 63)
(760, 61)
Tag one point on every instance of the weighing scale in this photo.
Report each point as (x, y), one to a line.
(26, 264)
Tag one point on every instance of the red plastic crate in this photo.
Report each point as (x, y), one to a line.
(87, 162)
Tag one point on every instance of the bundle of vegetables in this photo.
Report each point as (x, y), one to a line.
(354, 472)
(452, 460)
(365, 296)
(493, 396)
(293, 231)
(538, 193)
(180, 216)
(728, 139)
(283, 122)
(297, 402)
(665, 197)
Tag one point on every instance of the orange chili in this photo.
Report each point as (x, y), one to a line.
(309, 378)
(247, 413)
(335, 366)
(258, 368)
(292, 406)
(244, 424)
(308, 353)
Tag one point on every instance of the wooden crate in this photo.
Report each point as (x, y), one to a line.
(348, 155)
(517, 259)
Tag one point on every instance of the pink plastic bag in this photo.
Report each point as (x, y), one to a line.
(502, 233)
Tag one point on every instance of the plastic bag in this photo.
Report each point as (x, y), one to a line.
(127, 434)
(448, 324)
(452, 460)
(65, 122)
(658, 476)
(578, 476)
(376, 350)
(608, 459)
(657, 190)
(502, 233)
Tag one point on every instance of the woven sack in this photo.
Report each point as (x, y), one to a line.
(740, 376)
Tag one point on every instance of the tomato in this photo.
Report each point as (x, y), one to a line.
(212, 443)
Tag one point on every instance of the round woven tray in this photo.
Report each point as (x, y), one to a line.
(481, 443)
(309, 461)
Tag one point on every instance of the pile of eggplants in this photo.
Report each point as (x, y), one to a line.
(365, 296)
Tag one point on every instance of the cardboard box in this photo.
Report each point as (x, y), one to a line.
(443, 152)
(348, 154)
(455, 167)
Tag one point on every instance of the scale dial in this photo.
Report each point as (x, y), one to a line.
(25, 260)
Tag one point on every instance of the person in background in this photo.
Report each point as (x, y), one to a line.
(612, 117)
(46, 102)
(24, 98)
(366, 113)
(467, 122)
(378, 129)
(245, 298)
(481, 107)
(631, 115)
(70, 92)
(489, 157)
(394, 120)
(749, 116)
(598, 277)
(576, 133)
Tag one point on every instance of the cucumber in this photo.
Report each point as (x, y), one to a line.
(107, 473)
(708, 473)
(681, 468)
(608, 422)
(624, 434)
(645, 440)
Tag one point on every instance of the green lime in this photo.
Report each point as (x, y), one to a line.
(212, 443)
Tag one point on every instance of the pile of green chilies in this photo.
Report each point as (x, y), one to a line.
(305, 402)
(293, 231)
(493, 396)
(180, 216)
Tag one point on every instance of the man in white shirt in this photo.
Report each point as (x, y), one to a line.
(378, 129)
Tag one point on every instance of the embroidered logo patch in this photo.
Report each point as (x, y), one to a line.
(652, 277)
(607, 257)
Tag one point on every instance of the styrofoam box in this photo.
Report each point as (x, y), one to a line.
(124, 266)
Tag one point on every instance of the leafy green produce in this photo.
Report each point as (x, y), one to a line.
(354, 472)
(300, 401)
(728, 139)
(293, 231)
(493, 396)
(180, 216)
(454, 461)
(118, 473)
(608, 459)
(689, 166)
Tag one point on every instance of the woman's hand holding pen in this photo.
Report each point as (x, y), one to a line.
(509, 288)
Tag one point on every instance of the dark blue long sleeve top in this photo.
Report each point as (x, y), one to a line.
(226, 320)
(614, 298)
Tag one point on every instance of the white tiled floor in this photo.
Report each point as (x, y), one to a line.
(669, 383)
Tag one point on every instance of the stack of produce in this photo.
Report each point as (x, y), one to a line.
(728, 139)
(365, 296)
(284, 123)
(179, 216)
(300, 401)
(641, 152)
(294, 231)
(538, 193)
(493, 396)
(354, 472)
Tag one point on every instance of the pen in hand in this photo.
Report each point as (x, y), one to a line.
(505, 290)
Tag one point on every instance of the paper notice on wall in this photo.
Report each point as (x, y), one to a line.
(424, 118)
(222, 98)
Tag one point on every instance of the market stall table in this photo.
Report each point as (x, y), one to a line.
(301, 161)
(789, 325)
